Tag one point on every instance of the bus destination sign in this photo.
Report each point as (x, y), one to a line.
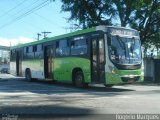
(121, 31)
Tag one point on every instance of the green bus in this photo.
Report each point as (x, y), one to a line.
(102, 54)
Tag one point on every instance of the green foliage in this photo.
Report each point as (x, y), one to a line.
(89, 12)
(147, 19)
(125, 10)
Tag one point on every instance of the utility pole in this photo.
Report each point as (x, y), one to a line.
(38, 36)
(45, 34)
(72, 28)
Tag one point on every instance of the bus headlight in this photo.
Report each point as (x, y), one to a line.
(112, 69)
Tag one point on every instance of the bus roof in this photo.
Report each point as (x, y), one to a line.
(79, 32)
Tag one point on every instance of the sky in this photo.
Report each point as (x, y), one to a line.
(21, 20)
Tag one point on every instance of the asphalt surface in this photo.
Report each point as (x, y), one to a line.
(20, 99)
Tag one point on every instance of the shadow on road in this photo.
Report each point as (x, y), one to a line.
(48, 110)
(52, 85)
(44, 112)
(91, 88)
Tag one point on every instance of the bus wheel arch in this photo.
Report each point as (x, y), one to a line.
(28, 76)
(78, 78)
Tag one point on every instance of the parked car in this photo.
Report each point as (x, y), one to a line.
(4, 70)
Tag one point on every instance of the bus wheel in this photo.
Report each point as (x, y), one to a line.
(28, 75)
(108, 85)
(79, 79)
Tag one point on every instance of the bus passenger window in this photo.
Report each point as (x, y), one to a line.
(79, 47)
(13, 55)
(27, 49)
(30, 49)
(35, 48)
(39, 47)
(38, 53)
(62, 48)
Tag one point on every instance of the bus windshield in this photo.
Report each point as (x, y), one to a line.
(125, 50)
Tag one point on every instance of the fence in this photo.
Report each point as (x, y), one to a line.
(152, 70)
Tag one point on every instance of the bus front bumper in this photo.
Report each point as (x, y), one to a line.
(124, 76)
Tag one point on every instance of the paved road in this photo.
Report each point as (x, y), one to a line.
(19, 97)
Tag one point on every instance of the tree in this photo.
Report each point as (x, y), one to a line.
(142, 15)
(125, 10)
(89, 13)
(95, 12)
(147, 20)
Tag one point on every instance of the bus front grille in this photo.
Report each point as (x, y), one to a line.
(130, 79)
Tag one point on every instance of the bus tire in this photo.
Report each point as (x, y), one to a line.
(108, 85)
(79, 79)
(28, 75)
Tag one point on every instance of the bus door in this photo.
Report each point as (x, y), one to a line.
(19, 63)
(98, 60)
(48, 62)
